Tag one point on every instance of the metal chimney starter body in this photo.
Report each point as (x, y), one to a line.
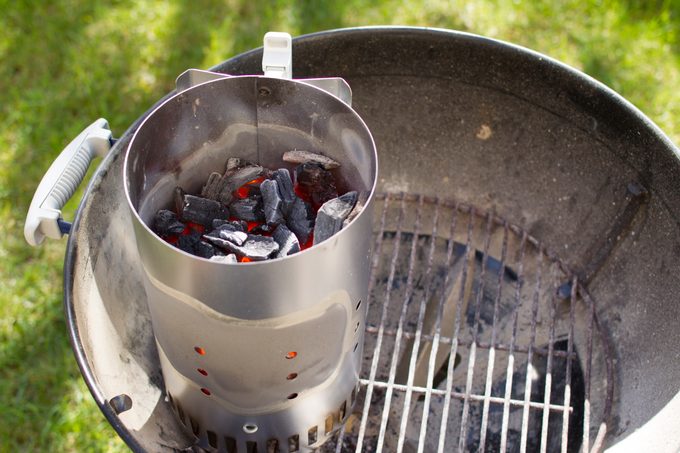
(261, 355)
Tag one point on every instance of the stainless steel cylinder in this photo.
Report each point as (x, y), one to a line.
(264, 355)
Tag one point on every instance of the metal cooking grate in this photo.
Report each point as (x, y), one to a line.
(481, 343)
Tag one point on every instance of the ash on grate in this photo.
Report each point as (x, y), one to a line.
(252, 213)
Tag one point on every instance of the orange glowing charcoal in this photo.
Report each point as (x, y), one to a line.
(256, 181)
(242, 192)
(253, 225)
(245, 259)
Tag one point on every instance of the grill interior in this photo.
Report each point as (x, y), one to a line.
(531, 366)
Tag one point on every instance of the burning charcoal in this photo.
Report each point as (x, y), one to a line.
(288, 242)
(262, 229)
(239, 225)
(272, 201)
(331, 215)
(231, 258)
(303, 157)
(233, 163)
(256, 248)
(285, 186)
(202, 211)
(212, 187)
(228, 232)
(166, 222)
(300, 219)
(179, 200)
(316, 183)
(358, 207)
(189, 242)
(204, 249)
(237, 178)
(248, 209)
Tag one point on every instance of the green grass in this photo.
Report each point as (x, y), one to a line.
(63, 64)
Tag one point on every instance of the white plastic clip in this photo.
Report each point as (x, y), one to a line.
(277, 58)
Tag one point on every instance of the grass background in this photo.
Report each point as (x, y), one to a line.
(65, 63)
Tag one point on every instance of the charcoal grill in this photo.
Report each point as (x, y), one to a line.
(523, 291)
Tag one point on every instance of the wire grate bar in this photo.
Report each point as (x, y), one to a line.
(548, 376)
(453, 350)
(400, 327)
(473, 348)
(383, 317)
(528, 381)
(492, 350)
(419, 328)
(472, 397)
(537, 350)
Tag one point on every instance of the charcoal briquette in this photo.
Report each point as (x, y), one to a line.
(300, 219)
(285, 186)
(178, 200)
(331, 215)
(166, 222)
(202, 210)
(188, 242)
(231, 258)
(304, 157)
(272, 202)
(248, 209)
(204, 249)
(318, 184)
(288, 242)
(256, 247)
(229, 232)
(237, 178)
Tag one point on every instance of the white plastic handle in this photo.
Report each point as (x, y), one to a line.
(61, 181)
(277, 55)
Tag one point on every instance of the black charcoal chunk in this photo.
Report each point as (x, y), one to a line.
(356, 210)
(212, 187)
(300, 219)
(237, 178)
(272, 202)
(228, 232)
(231, 258)
(189, 242)
(248, 209)
(239, 225)
(202, 211)
(285, 186)
(303, 157)
(166, 222)
(288, 242)
(262, 229)
(204, 249)
(331, 215)
(257, 248)
(318, 184)
(179, 200)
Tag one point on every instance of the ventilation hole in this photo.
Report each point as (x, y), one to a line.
(180, 412)
(293, 443)
(121, 403)
(202, 371)
(194, 426)
(291, 376)
(311, 435)
(291, 355)
(292, 396)
(273, 446)
(212, 439)
(205, 391)
(342, 411)
(230, 444)
(356, 328)
(328, 425)
(356, 345)
(251, 447)
(358, 304)
(250, 428)
(199, 350)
